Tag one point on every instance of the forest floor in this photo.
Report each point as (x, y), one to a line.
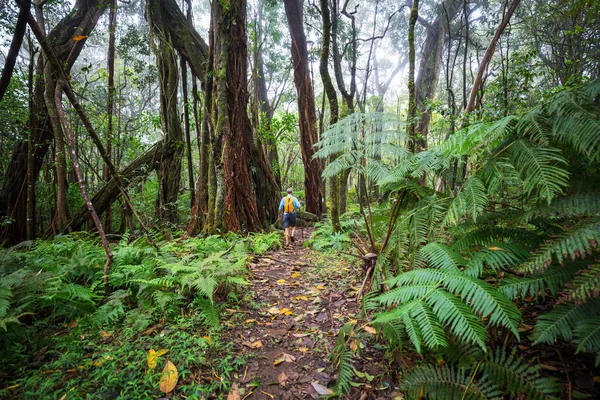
(292, 327)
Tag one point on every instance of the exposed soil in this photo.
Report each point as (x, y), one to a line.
(293, 327)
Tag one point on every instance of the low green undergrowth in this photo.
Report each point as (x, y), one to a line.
(60, 335)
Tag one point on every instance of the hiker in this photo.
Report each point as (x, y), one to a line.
(289, 204)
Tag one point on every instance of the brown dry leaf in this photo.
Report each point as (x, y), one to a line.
(250, 321)
(296, 275)
(596, 379)
(168, 379)
(299, 334)
(282, 379)
(494, 248)
(354, 345)
(78, 38)
(549, 367)
(235, 393)
(322, 390)
(105, 334)
(254, 345)
(73, 324)
(153, 357)
(370, 329)
(284, 357)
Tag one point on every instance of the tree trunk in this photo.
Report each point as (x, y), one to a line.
(483, 65)
(188, 140)
(412, 106)
(15, 46)
(240, 212)
(333, 181)
(306, 108)
(429, 71)
(13, 200)
(169, 173)
(31, 217)
(110, 103)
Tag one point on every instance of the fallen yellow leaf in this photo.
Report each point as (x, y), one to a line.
(168, 379)
(281, 282)
(254, 345)
(370, 329)
(303, 350)
(285, 311)
(274, 310)
(296, 275)
(78, 38)
(207, 338)
(320, 287)
(302, 298)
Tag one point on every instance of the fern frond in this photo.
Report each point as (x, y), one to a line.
(539, 168)
(574, 243)
(345, 371)
(206, 285)
(552, 279)
(470, 201)
(443, 257)
(447, 382)
(585, 286)
(507, 369)
(576, 122)
(458, 317)
(587, 336)
(497, 257)
(560, 321)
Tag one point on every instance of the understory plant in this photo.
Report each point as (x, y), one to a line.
(510, 210)
(55, 317)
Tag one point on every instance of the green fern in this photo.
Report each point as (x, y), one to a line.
(561, 321)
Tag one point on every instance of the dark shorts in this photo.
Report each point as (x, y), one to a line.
(289, 220)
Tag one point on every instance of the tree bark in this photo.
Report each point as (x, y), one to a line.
(429, 71)
(13, 200)
(188, 140)
(333, 181)
(306, 108)
(412, 106)
(169, 174)
(240, 212)
(110, 105)
(31, 216)
(15, 46)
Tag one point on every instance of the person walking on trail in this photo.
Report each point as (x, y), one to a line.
(289, 204)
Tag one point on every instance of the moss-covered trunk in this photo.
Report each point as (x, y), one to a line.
(306, 108)
(13, 199)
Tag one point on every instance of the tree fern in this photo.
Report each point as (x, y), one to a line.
(516, 376)
(440, 289)
(574, 243)
(587, 337)
(446, 382)
(470, 201)
(560, 322)
(539, 168)
(585, 286)
(473, 375)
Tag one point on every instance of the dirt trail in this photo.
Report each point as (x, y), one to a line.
(293, 326)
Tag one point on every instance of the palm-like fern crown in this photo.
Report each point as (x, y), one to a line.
(522, 196)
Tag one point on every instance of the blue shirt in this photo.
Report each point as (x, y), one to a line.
(295, 204)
